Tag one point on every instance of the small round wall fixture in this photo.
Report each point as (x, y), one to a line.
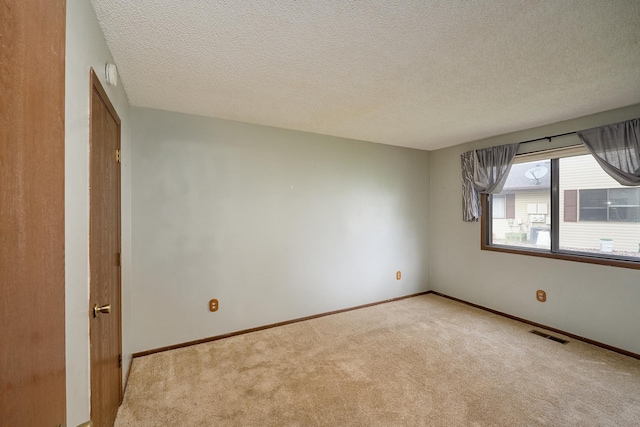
(111, 74)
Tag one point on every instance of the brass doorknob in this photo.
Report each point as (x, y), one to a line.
(104, 309)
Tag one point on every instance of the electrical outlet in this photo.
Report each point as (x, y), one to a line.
(214, 305)
(398, 275)
(541, 295)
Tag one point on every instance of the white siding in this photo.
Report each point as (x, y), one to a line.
(583, 172)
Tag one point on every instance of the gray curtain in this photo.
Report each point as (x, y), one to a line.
(470, 198)
(616, 148)
(484, 171)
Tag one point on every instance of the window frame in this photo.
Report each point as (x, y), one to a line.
(554, 252)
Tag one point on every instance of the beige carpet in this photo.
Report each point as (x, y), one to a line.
(422, 361)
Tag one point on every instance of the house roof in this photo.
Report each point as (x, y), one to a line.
(413, 73)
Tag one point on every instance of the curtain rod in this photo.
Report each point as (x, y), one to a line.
(548, 137)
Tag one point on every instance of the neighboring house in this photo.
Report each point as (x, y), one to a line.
(596, 212)
(521, 211)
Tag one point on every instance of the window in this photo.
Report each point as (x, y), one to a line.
(498, 210)
(610, 204)
(528, 188)
(564, 206)
(503, 206)
(593, 205)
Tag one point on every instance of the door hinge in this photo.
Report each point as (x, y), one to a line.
(119, 361)
(117, 155)
(119, 259)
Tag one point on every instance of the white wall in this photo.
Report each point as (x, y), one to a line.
(276, 224)
(596, 302)
(85, 48)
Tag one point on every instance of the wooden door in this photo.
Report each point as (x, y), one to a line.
(32, 346)
(104, 258)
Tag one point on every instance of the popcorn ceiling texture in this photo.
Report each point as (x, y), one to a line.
(422, 74)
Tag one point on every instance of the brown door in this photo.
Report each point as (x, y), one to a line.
(104, 259)
(32, 347)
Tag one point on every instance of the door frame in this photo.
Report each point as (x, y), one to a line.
(32, 209)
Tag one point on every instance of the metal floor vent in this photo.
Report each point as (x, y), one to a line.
(549, 337)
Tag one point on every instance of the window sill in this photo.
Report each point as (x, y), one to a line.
(577, 257)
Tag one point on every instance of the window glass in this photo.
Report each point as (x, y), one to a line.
(597, 217)
(623, 204)
(593, 205)
(498, 210)
(526, 195)
(607, 221)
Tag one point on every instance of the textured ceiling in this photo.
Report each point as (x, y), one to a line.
(422, 74)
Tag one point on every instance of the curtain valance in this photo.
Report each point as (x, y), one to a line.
(484, 171)
(616, 148)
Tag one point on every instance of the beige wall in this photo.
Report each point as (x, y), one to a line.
(597, 302)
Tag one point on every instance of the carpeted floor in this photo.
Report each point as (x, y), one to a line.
(422, 361)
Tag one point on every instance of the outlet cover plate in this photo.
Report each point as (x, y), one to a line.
(541, 295)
